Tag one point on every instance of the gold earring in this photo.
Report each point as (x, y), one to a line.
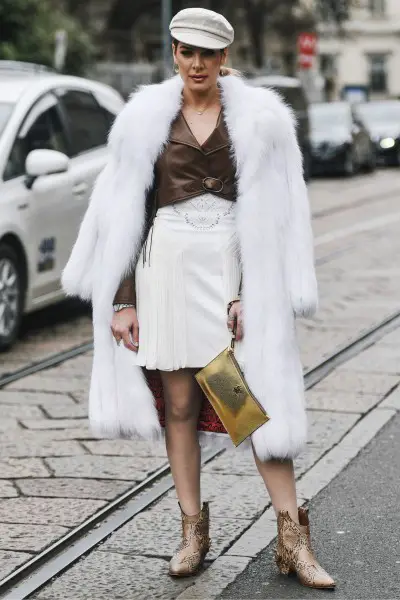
(176, 68)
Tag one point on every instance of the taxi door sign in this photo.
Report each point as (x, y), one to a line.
(47, 250)
(307, 49)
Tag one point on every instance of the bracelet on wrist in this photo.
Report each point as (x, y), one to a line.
(118, 307)
(229, 306)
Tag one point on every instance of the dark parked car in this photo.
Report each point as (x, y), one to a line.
(340, 141)
(292, 92)
(382, 119)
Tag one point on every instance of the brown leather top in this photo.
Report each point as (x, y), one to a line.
(186, 169)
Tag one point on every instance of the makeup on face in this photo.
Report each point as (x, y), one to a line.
(199, 67)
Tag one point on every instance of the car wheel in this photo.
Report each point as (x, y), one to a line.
(11, 296)
(349, 167)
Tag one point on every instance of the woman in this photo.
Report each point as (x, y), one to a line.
(201, 211)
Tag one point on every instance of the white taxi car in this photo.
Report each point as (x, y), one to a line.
(53, 133)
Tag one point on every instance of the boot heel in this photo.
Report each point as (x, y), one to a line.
(283, 566)
(189, 557)
(294, 553)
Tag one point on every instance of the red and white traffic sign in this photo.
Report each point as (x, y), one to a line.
(307, 44)
(307, 49)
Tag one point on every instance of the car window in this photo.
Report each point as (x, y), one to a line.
(88, 122)
(109, 117)
(110, 104)
(42, 129)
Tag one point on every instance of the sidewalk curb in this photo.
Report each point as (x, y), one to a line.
(226, 568)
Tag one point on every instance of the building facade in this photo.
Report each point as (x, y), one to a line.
(366, 55)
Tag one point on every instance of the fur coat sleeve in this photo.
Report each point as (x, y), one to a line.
(300, 267)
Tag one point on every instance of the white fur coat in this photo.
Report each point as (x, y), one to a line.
(274, 230)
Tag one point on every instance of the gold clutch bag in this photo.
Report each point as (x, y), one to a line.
(223, 384)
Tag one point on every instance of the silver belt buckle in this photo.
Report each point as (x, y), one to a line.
(211, 188)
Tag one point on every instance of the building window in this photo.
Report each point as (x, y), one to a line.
(378, 72)
(377, 7)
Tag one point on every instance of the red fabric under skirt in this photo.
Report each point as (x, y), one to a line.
(208, 418)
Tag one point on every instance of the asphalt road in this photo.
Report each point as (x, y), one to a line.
(356, 525)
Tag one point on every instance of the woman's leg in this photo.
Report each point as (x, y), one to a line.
(182, 397)
(280, 482)
(293, 552)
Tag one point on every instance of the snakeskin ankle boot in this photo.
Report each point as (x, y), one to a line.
(194, 546)
(294, 553)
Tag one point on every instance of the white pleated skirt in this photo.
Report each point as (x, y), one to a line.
(187, 272)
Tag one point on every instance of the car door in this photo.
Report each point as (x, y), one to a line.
(45, 203)
(87, 124)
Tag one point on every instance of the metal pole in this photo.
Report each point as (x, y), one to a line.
(166, 37)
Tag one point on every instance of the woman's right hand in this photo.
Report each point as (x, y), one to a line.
(124, 325)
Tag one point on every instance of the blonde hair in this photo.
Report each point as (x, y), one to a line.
(224, 71)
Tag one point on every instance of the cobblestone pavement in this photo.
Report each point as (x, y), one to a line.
(53, 474)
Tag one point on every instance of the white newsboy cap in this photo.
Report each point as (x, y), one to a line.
(202, 28)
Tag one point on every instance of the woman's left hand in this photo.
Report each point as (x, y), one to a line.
(235, 319)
